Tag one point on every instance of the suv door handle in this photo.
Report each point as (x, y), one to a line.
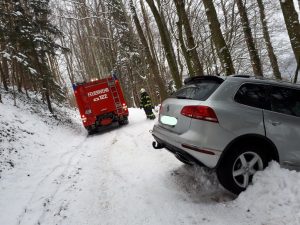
(274, 123)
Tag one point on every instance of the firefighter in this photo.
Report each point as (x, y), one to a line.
(146, 104)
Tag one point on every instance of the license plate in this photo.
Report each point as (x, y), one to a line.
(168, 120)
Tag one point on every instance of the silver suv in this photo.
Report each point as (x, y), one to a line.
(235, 125)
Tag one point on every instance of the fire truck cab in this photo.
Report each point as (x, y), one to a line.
(100, 103)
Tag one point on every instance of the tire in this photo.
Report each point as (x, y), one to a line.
(237, 168)
(183, 160)
(91, 130)
(123, 121)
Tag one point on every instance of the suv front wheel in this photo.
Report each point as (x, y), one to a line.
(237, 168)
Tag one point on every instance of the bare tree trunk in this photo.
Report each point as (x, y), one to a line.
(214, 58)
(40, 62)
(255, 61)
(149, 33)
(180, 65)
(218, 39)
(167, 43)
(296, 74)
(69, 66)
(184, 50)
(271, 54)
(192, 47)
(151, 41)
(19, 78)
(13, 83)
(84, 52)
(4, 73)
(0, 80)
(46, 93)
(48, 100)
(153, 66)
(293, 27)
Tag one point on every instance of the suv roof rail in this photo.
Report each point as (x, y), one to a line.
(198, 79)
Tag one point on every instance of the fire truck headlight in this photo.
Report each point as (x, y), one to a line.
(83, 118)
(125, 106)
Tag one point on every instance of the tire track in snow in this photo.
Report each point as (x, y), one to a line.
(133, 136)
(42, 202)
(91, 157)
(48, 179)
(98, 163)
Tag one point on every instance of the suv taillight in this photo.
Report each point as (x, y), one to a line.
(200, 113)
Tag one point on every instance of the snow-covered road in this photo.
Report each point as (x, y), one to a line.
(115, 177)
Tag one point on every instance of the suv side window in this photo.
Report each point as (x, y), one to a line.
(285, 100)
(252, 95)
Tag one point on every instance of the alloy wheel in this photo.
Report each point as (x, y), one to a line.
(245, 166)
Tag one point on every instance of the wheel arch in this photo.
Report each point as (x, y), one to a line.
(252, 138)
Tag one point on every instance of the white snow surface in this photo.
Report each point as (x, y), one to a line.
(53, 173)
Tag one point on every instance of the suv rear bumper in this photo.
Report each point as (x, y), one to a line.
(177, 151)
(206, 157)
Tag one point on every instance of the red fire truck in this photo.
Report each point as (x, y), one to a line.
(100, 103)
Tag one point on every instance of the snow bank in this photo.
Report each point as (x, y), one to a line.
(274, 197)
(28, 127)
(34, 146)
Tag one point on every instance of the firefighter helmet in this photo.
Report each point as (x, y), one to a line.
(142, 90)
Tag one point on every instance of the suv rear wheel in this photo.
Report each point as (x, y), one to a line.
(237, 167)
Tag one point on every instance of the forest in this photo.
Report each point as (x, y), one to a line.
(48, 45)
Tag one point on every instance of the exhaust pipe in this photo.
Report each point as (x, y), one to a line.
(157, 145)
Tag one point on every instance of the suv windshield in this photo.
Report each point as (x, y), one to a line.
(197, 91)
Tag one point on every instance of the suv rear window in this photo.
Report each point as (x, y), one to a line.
(197, 91)
(285, 100)
(252, 95)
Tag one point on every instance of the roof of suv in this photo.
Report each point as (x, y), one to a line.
(241, 77)
(263, 80)
(198, 79)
